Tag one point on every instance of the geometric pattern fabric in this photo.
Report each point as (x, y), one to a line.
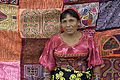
(8, 17)
(39, 23)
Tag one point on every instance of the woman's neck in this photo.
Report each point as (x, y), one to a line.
(71, 35)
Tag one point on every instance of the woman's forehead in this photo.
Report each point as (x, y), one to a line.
(68, 16)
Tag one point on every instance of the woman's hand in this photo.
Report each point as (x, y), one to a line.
(46, 74)
(97, 79)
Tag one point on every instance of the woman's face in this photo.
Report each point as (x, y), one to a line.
(69, 24)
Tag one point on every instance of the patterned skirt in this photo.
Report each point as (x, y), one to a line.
(67, 74)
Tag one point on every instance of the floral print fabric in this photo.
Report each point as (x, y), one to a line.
(67, 74)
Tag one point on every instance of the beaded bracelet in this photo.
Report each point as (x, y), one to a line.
(96, 76)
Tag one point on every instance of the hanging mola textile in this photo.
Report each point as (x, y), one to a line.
(10, 70)
(31, 50)
(10, 46)
(39, 18)
(39, 23)
(109, 44)
(40, 4)
(8, 17)
(109, 15)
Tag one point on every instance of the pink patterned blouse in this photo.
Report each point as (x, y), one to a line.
(80, 56)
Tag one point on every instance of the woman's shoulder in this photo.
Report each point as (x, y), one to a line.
(55, 37)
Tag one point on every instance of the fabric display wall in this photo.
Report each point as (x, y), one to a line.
(10, 41)
(31, 51)
(38, 21)
(10, 50)
(26, 25)
(109, 42)
(8, 17)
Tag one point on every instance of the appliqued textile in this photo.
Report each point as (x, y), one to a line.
(109, 15)
(39, 23)
(8, 17)
(10, 70)
(10, 45)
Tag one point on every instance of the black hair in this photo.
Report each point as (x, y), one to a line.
(71, 12)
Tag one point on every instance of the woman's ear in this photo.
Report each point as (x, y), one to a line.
(61, 29)
(78, 21)
(79, 25)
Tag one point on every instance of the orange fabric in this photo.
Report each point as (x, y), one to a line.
(102, 37)
(10, 46)
(40, 4)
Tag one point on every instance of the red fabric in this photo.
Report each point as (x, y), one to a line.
(40, 4)
(57, 45)
(10, 46)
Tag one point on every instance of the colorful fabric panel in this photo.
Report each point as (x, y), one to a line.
(8, 17)
(40, 4)
(32, 72)
(9, 70)
(39, 23)
(111, 68)
(109, 42)
(50, 22)
(10, 46)
(32, 49)
(109, 15)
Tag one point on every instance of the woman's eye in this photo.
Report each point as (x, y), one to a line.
(64, 21)
(71, 20)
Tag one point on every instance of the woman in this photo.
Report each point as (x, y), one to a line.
(71, 55)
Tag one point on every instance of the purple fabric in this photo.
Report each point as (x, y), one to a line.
(109, 15)
(32, 72)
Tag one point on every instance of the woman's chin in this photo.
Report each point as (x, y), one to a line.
(70, 32)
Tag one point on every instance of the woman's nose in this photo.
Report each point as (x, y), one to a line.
(68, 24)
